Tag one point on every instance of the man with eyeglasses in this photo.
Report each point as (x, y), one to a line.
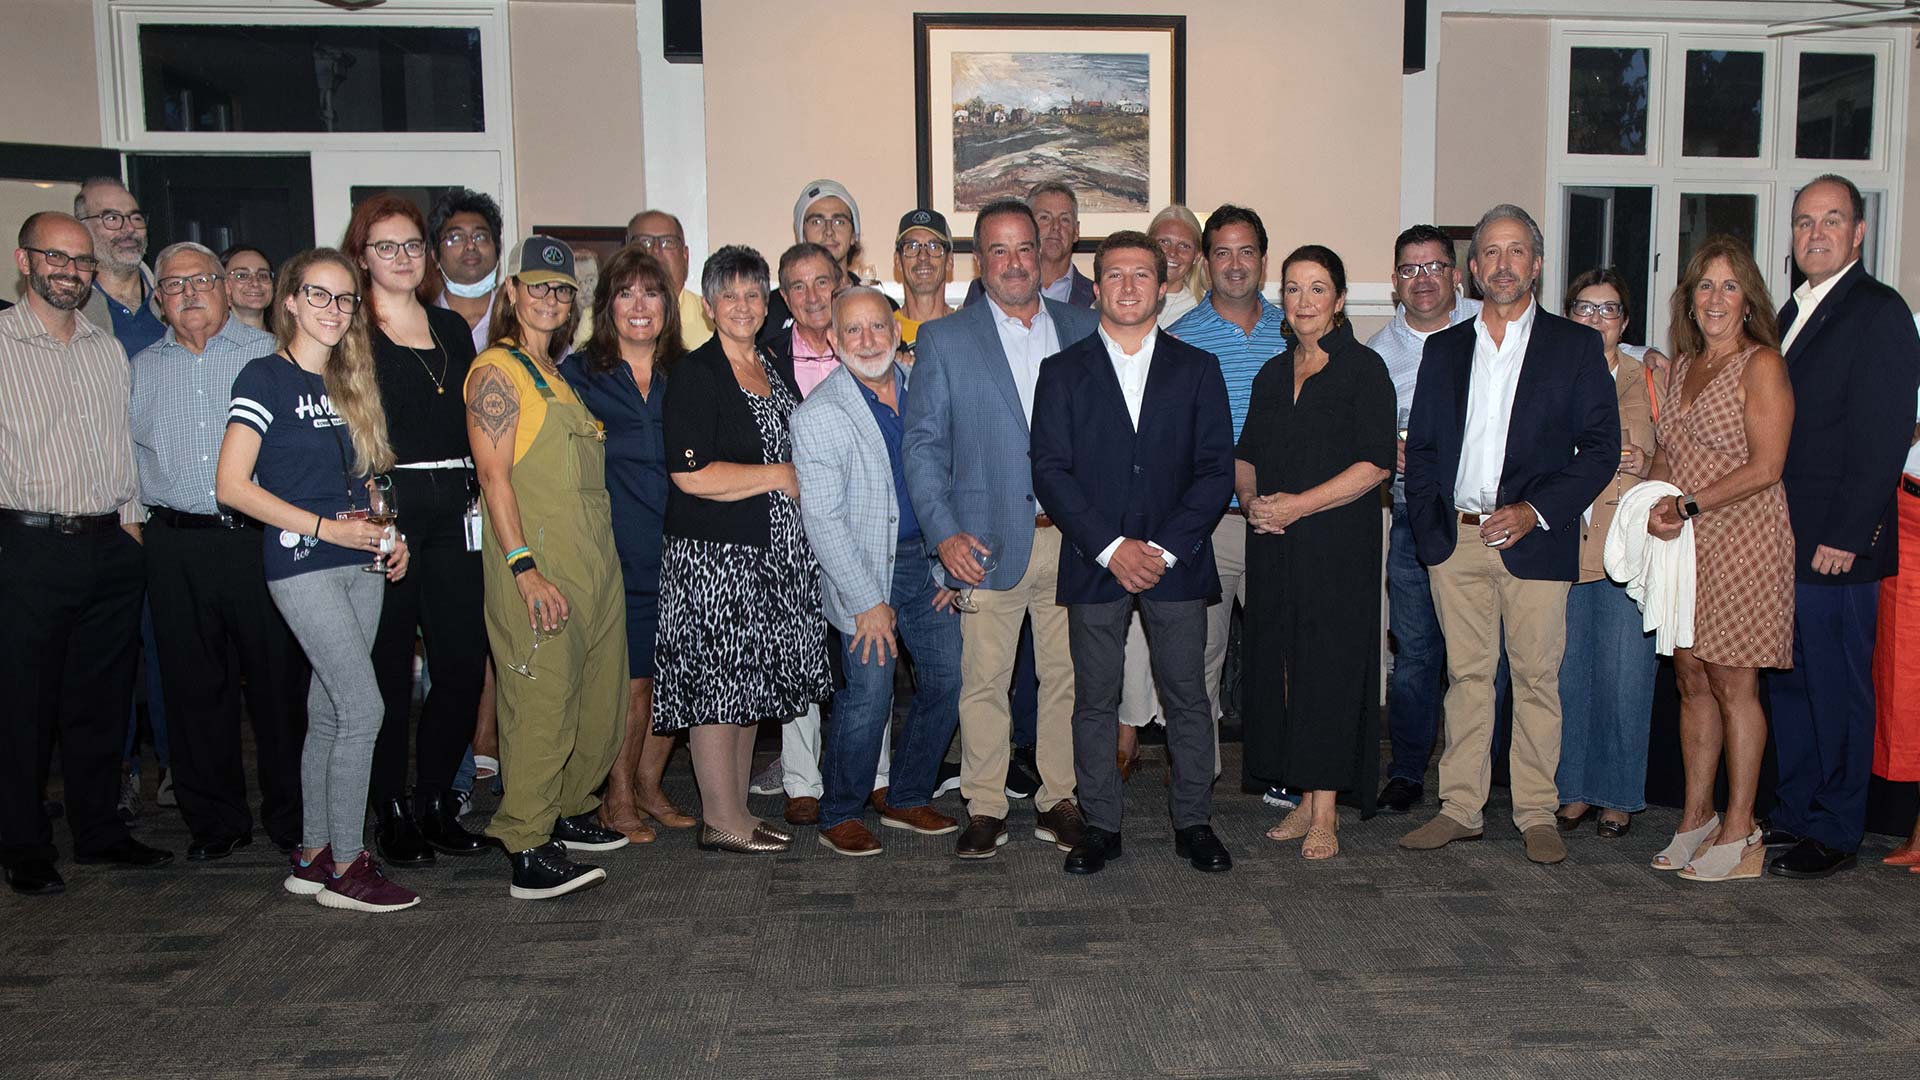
(72, 571)
(923, 263)
(1426, 284)
(824, 214)
(122, 298)
(206, 581)
(661, 235)
(465, 226)
(1056, 209)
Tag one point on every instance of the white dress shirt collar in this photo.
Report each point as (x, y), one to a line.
(1131, 369)
(1808, 297)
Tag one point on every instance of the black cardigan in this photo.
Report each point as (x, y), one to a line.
(707, 420)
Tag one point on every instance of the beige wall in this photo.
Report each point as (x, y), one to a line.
(1909, 283)
(576, 111)
(1487, 155)
(47, 73)
(1306, 136)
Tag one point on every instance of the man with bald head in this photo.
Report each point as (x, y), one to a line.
(660, 234)
(72, 571)
(876, 582)
(122, 297)
(206, 583)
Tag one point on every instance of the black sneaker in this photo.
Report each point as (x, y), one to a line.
(1022, 774)
(948, 778)
(583, 832)
(545, 872)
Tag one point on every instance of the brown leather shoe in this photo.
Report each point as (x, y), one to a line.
(803, 810)
(981, 838)
(1062, 826)
(924, 820)
(849, 838)
(1438, 833)
(878, 800)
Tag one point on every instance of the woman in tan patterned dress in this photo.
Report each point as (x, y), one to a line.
(1722, 442)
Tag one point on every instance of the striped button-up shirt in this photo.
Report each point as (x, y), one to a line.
(178, 413)
(1241, 354)
(64, 446)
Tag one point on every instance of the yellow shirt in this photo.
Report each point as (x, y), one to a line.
(909, 328)
(532, 406)
(694, 327)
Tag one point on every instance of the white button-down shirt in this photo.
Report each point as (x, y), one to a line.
(1131, 369)
(1025, 347)
(1483, 446)
(1805, 299)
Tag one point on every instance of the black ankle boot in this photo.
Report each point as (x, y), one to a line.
(438, 813)
(545, 872)
(398, 835)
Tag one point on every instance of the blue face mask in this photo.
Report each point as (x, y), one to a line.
(479, 288)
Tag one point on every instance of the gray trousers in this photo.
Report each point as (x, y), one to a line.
(333, 614)
(1177, 645)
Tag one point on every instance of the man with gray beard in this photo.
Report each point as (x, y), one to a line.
(122, 296)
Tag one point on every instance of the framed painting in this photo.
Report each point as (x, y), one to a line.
(1097, 102)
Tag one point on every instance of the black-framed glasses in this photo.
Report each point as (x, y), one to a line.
(560, 289)
(1431, 268)
(56, 259)
(477, 238)
(388, 250)
(837, 222)
(114, 219)
(174, 286)
(1587, 309)
(347, 302)
(250, 277)
(656, 242)
(935, 248)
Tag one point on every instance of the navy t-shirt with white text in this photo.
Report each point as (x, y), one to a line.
(306, 458)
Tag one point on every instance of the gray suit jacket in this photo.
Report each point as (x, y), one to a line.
(847, 502)
(966, 434)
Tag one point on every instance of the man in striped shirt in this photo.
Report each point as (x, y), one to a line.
(1242, 330)
(72, 576)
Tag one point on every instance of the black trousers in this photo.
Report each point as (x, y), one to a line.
(440, 596)
(69, 631)
(215, 626)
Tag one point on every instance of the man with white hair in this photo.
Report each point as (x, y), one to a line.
(205, 579)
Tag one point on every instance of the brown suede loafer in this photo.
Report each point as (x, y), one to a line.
(1437, 833)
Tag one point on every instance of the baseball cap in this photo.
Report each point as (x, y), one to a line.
(932, 221)
(540, 259)
(812, 193)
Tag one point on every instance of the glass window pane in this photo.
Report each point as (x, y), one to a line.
(1705, 214)
(1607, 101)
(1612, 227)
(1836, 107)
(311, 78)
(1723, 104)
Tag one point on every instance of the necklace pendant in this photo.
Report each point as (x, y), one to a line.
(439, 389)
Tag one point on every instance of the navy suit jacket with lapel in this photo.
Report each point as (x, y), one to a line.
(966, 434)
(1855, 368)
(1101, 480)
(1563, 442)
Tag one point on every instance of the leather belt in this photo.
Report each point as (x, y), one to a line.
(1471, 519)
(1042, 521)
(177, 519)
(1909, 485)
(64, 524)
(450, 463)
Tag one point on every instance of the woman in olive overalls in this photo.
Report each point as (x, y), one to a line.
(555, 605)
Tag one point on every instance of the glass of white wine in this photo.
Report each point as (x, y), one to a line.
(382, 510)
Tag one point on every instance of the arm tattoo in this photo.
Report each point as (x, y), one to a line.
(493, 408)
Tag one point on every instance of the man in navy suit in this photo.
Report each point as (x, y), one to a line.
(1854, 360)
(1515, 430)
(1133, 455)
(968, 477)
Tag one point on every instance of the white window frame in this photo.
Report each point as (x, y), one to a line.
(1560, 86)
(1884, 59)
(1770, 96)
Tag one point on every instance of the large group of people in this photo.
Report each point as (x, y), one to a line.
(584, 522)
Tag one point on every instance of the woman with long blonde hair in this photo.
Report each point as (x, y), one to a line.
(1178, 233)
(305, 435)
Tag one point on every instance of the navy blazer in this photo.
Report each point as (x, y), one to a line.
(1855, 369)
(1100, 480)
(1563, 442)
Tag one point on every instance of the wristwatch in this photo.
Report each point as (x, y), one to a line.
(1688, 507)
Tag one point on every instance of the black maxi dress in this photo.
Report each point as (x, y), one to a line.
(1312, 631)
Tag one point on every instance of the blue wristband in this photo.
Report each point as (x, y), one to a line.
(517, 552)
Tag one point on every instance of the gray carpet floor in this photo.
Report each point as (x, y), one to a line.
(1467, 962)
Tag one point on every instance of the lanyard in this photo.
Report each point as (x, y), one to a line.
(533, 370)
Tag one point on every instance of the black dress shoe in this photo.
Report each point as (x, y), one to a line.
(545, 872)
(438, 815)
(1400, 795)
(1810, 859)
(1198, 845)
(1091, 855)
(209, 850)
(583, 832)
(35, 877)
(1570, 822)
(397, 834)
(1771, 837)
(128, 852)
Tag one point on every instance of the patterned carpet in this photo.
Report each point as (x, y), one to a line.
(1468, 962)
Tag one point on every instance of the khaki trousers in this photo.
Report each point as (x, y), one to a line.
(988, 639)
(1474, 596)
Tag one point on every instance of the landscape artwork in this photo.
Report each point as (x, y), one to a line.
(1077, 118)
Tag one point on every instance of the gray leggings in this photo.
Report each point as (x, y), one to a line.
(333, 614)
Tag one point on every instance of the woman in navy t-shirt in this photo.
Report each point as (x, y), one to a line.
(304, 432)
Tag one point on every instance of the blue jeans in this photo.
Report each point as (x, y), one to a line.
(1419, 680)
(1606, 700)
(862, 709)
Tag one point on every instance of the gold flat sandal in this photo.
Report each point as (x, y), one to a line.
(712, 839)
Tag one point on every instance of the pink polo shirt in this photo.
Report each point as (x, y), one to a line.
(810, 369)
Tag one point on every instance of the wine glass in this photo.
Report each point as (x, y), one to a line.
(987, 553)
(540, 634)
(382, 510)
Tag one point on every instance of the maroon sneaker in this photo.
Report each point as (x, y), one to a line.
(364, 888)
(311, 879)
